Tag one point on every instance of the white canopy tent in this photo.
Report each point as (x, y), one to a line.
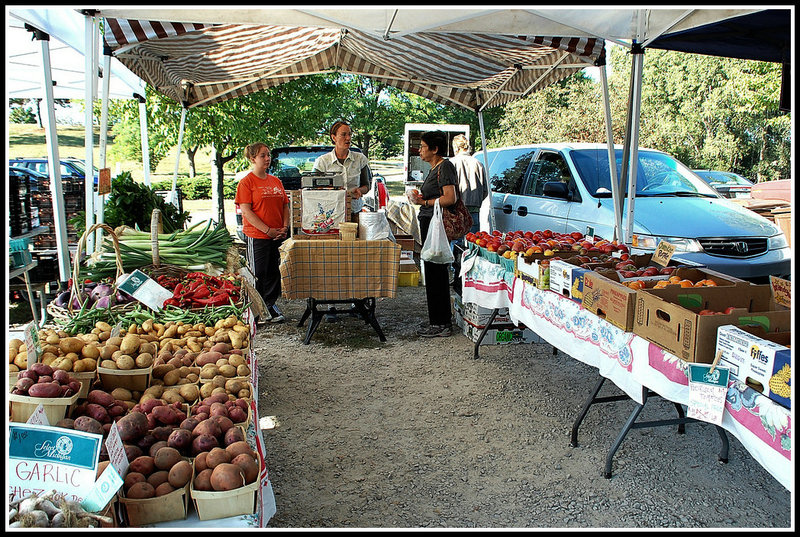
(45, 59)
(149, 40)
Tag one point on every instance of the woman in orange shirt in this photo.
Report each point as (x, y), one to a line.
(265, 214)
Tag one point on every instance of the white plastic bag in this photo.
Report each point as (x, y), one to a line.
(437, 248)
(374, 226)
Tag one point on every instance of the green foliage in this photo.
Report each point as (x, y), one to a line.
(132, 204)
(19, 114)
(198, 188)
(708, 112)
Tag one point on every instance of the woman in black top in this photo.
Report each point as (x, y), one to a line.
(440, 184)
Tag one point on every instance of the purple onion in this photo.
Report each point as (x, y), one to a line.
(103, 302)
(101, 290)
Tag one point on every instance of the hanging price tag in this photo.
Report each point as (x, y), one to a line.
(104, 181)
(467, 261)
(708, 386)
(663, 253)
(144, 289)
(38, 416)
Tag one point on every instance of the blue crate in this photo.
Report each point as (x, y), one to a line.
(18, 245)
(20, 258)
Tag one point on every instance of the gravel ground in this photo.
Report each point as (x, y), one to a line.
(416, 433)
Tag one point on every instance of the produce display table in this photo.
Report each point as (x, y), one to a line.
(339, 272)
(632, 363)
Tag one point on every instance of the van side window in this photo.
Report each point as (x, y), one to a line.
(548, 167)
(508, 169)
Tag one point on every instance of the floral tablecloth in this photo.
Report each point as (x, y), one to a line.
(762, 426)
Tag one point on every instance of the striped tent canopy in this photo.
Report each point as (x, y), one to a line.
(199, 64)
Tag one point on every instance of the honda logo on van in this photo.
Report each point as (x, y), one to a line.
(740, 247)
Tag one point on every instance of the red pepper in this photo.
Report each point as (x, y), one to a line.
(220, 299)
(195, 284)
(178, 289)
(196, 275)
(201, 292)
(171, 302)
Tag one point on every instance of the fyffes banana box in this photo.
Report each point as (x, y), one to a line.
(758, 362)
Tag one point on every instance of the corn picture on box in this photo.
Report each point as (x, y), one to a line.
(758, 362)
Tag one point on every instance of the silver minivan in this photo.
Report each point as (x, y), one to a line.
(567, 187)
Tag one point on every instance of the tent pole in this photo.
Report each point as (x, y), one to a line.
(486, 214)
(56, 190)
(635, 109)
(612, 161)
(89, 65)
(145, 141)
(172, 195)
(104, 133)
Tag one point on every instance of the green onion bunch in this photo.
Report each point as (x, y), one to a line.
(191, 249)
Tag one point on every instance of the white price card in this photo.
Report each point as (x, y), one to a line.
(32, 342)
(38, 416)
(144, 289)
(116, 450)
(103, 491)
(708, 386)
(44, 458)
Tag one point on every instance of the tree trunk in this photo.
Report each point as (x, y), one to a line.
(190, 154)
(217, 179)
(218, 183)
(39, 112)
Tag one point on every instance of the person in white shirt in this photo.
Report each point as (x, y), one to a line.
(354, 165)
(473, 186)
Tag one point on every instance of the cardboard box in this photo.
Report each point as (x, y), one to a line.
(566, 279)
(762, 364)
(669, 317)
(501, 335)
(609, 299)
(478, 316)
(535, 270)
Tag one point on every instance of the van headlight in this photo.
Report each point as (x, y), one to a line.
(776, 242)
(650, 242)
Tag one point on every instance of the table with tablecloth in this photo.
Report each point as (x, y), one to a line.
(632, 363)
(339, 272)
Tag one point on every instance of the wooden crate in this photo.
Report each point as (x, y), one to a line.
(222, 504)
(130, 379)
(172, 506)
(55, 408)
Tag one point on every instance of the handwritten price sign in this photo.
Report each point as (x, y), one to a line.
(663, 253)
(708, 387)
(781, 291)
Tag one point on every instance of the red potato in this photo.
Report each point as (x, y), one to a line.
(66, 391)
(207, 427)
(88, 424)
(224, 422)
(100, 397)
(41, 369)
(180, 439)
(204, 442)
(97, 412)
(45, 390)
(61, 376)
(132, 426)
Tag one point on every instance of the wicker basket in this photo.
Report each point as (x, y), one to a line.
(66, 314)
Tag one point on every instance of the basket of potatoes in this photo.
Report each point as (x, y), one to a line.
(126, 361)
(76, 355)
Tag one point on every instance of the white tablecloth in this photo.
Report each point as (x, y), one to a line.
(762, 426)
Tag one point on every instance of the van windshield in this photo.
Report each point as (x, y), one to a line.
(657, 174)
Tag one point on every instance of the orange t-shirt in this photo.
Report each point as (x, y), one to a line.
(267, 199)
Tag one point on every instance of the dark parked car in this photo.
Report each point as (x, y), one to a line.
(70, 167)
(728, 184)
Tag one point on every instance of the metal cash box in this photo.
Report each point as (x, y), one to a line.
(322, 180)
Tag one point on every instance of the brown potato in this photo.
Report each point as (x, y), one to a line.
(166, 458)
(125, 362)
(227, 476)
(180, 474)
(140, 491)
